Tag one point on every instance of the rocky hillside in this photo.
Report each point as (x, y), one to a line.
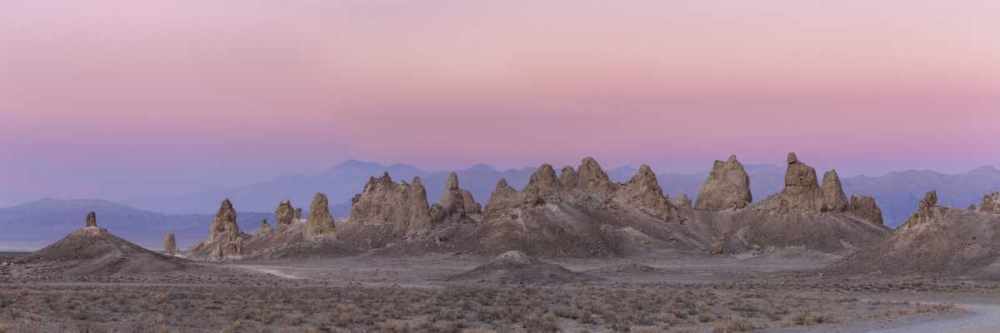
(934, 241)
(36, 224)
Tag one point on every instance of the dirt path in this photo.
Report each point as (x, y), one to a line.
(980, 318)
(269, 270)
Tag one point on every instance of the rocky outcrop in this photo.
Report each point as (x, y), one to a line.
(644, 192)
(92, 220)
(298, 214)
(592, 179)
(543, 185)
(991, 203)
(503, 197)
(802, 192)
(727, 187)
(833, 192)
(224, 237)
(265, 228)
(682, 201)
(866, 208)
(169, 244)
(285, 215)
(925, 211)
(401, 206)
(455, 201)
(320, 222)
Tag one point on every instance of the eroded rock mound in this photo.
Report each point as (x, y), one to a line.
(935, 241)
(320, 223)
(802, 192)
(518, 268)
(285, 215)
(991, 203)
(224, 237)
(865, 207)
(644, 192)
(727, 187)
(170, 244)
(592, 178)
(94, 251)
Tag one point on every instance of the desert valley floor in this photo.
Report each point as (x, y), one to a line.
(774, 292)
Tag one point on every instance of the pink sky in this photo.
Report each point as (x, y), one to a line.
(101, 97)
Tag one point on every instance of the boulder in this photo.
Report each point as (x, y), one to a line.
(727, 187)
(285, 215)
(169, 244)
(265, 228)
(92, 220)
(644, 192)
(320, 223)
(833, 192)
(866, 208)
(991, 203)
(401, 206)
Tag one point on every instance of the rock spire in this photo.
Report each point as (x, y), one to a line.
(320, 222)
(727, 187)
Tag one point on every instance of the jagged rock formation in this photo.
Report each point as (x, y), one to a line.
(925, 211)
(265, 228)
(91, 220)
(991, 203)
(682, 200)
(224, 237)
(320, 222)
(935, 241)
(388, 212)
(802, 192)
(833, 192)
(454, 202)
(644, 192)
(865, 207)
(285, 215)
(169, 244)
(727, 187)
(95, 251)
(298, 214)
(580, 214)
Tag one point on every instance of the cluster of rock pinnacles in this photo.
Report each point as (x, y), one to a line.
(404, 206)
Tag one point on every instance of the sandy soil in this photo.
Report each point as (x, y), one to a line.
(373, 293)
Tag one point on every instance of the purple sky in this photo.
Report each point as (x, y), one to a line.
(113, 99)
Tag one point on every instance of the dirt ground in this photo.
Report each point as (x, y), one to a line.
(372, 293)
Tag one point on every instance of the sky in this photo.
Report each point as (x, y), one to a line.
(113, 99)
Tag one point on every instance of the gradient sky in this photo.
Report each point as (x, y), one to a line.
(113, 99)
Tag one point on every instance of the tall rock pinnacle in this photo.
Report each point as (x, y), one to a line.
(224, 237)
(284, 215)
(169, 244)
(833, 192)
(455, 201)
(320, 222)
(592, 178)
(727, 187)
(91, 220)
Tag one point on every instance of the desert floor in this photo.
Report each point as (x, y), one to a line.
(378, 293)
